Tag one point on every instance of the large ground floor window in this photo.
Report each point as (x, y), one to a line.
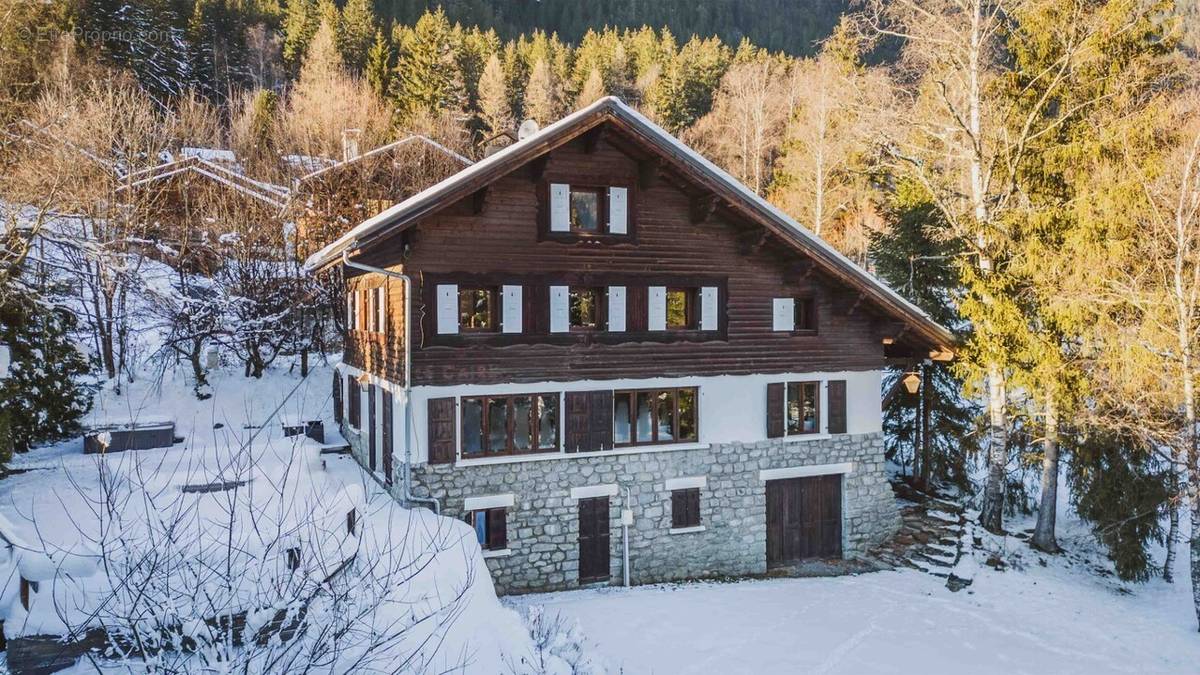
(509, 425)
(653, 416)
(803, 414)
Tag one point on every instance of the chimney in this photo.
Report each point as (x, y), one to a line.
(350, 144)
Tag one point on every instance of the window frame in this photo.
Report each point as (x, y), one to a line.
(603, 187)
(510, 450)
(599, 309)
(816, 408)
(602, 211)
(632, 395)
(691, 309)
(690, 497)
(493, 309)
(487, 544)
(804, 305)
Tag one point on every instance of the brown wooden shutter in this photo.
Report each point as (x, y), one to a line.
(678, 508)
(775, 410)
(371, 433)
(443, 436)
(601, 420)
(337, 397)
(387, 437)
(497, 529)
(589, 421)
(535, 309)
(637, 309)
(837, 406)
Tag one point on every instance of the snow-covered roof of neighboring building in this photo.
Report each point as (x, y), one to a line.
(415, 138)
(272, 194)
(612, 109)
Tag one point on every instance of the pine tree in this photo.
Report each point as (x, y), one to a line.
(300, 23)
(379, 65)
(427, 77)
(542, 95)
(356, 33)
(495, 111)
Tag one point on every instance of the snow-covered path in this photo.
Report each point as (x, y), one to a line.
(1054, 619)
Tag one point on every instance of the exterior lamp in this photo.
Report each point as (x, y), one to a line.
(912, 381)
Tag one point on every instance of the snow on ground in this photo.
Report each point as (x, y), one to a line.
(51, 507)
(1064, 617)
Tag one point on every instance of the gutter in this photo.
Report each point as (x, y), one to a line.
(406, 478)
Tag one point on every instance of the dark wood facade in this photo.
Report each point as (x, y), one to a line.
(501, 238)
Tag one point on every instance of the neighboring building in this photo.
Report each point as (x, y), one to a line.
(604, 324)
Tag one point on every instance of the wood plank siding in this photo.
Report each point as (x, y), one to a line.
(507, 244)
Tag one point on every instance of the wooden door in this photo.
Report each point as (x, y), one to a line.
(804, 519)
(593, 540)
(387, 437)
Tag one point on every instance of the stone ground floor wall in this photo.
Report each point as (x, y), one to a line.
(543, 523)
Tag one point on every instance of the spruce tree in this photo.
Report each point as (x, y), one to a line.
(379, 65)
(300, 23)
(427, 77)
(593, 89)
(357, 33)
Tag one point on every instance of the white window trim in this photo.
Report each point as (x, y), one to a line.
(589, 491)
(501, 553)
(489, 502)
(686, 530)
(806, 471)
(688, 483)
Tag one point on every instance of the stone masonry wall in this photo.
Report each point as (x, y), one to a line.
(543, 524)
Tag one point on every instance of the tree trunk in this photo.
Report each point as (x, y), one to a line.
(926, 413)
(1043, 533)
(992, 514)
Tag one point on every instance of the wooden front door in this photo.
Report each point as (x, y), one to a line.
(804, 519)
(593, 540)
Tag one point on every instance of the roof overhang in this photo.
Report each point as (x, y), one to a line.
(725, 187)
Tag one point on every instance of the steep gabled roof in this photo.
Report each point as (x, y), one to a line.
(274, 195)
(668, 148)
(415, 138)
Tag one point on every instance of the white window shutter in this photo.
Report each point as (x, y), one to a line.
(363, 315)
(784, 316)
(657, 315)
(708, 308)
(560, 320)
(381, 306)
(447, 309)
(350, 311)
(616, 309)
(618, 210)
(510, 307)
(560, 207)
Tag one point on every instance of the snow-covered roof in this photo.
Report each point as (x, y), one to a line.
(415, 138)
(612, 108)
(270, 193)
(210, 154)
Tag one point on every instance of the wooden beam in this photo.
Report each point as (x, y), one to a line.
(703, 207)
(648, 172)
(479, 200)
(942, 354)
(537, 167)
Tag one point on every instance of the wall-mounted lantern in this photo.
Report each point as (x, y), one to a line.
(912, 381)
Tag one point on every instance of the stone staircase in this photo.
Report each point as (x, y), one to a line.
(932, 537)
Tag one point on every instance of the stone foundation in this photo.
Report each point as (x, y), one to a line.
(543, 524)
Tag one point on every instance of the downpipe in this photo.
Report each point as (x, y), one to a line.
(626, 521)
(405, 475)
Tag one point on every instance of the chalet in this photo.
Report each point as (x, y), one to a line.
(609, 357)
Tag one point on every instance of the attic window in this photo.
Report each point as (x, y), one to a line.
(585, 210)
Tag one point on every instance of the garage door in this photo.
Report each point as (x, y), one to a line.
(804, 519)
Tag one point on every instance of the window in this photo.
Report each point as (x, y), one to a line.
(681, 309)
(477, 309)
(650, 416)
(805, 314)
(293, 558)
(354, 398)
(584, 308)
(586, 211)
(801, 407)
(685, 508)
(491, 528)
(509, 425)
(352, 521)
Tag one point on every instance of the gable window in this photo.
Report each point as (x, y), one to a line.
(509, 425)
(802, 408)
(685, 508)
(491, 528)
(653, 416)
(584, 307)
(805, 314)
(477, 309)
(586, 212)
(681, 309)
